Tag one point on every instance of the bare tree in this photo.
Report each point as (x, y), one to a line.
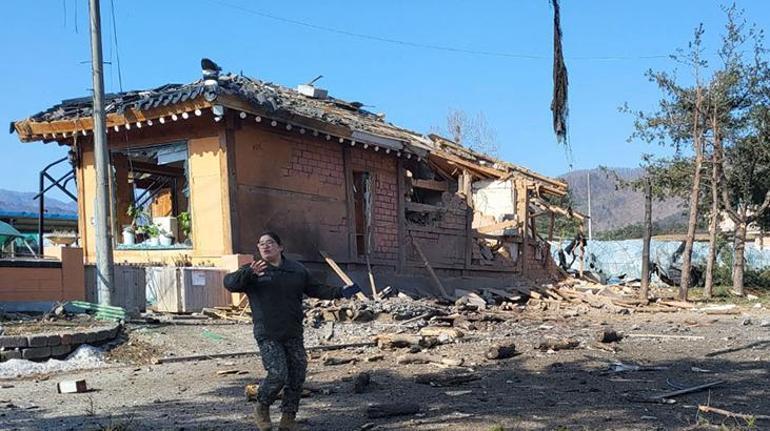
(473, 132)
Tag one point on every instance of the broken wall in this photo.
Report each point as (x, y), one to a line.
(444, 238)
(495, 198)
(296, 185)
(293, 186)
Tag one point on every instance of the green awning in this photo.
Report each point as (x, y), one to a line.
(8, 233)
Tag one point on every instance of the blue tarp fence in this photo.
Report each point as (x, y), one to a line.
(615, 258)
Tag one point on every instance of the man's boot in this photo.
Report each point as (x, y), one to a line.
(263, 418)
(287, 422)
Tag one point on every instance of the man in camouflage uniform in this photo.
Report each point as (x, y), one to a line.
(275, 286)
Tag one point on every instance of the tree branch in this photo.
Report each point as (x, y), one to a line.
(761, 208)
(726, 201)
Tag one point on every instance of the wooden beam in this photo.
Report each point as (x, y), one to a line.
(495, 173)
(440, 186)
(340, 273)
(425, 208)
(152, 168)
(432, 273)
(514, 238)
(497, 226)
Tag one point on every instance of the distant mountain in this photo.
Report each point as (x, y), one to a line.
(612, 208)
(24, 202)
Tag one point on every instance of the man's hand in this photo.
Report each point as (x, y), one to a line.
(259, 267)
(350, 290)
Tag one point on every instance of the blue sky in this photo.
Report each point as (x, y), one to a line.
(46, 50)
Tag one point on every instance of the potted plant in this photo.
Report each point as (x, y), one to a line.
(130, 232)
(185, 223)
(152, 231)
(129, 235)
(165, 238)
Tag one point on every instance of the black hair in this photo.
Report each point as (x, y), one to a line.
(272, 235)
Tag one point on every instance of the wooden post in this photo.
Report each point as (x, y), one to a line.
(349, 205)
(646, 241)
(401, 197)
(550, 226)
(467, 189)
(525, 228)
(582, 252)
(229, 185)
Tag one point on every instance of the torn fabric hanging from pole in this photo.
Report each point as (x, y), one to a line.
(560, 83)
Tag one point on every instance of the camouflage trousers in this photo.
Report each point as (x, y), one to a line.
(286, 366)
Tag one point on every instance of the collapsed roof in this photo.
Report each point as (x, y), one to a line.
(303, 107)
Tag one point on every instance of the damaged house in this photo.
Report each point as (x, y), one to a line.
(207, 166)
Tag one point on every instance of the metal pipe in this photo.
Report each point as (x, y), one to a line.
(104, 261)
(41, 212)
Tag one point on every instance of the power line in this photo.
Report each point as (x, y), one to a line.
(421, 45)
(117, 48)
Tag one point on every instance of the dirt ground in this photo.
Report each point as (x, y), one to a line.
(573, 389)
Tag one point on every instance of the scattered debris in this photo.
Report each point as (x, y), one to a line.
(376, 411)
(361, 382)
(668, 395)
(421, 358)
(332, 360)
(395, 341)
(620, 367)
(729, 414)
(444, 380)
(608, 335)
(71, 386)
(501, 351)
(556, 345)
(668, 336)
(458, 393)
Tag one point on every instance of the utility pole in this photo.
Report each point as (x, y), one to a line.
(104, 269)
(590, 233)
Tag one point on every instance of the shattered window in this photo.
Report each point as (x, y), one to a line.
(152, 196)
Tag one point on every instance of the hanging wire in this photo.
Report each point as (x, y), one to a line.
(117, 47)
(414, 44)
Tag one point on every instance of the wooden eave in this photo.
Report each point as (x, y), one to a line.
(30, 130)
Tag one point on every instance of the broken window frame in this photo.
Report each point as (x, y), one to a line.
(159, 181)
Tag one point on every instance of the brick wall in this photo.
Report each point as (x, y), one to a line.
(317, 160)
(385, 224)
(539, 262)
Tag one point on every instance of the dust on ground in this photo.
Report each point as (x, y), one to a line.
(594, 386)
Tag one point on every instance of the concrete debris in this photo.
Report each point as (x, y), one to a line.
(71, 386)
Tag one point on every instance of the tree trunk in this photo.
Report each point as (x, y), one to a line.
(697, 142)
(691, 225)
(646, 241)
(738, 261)
(708, 288)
